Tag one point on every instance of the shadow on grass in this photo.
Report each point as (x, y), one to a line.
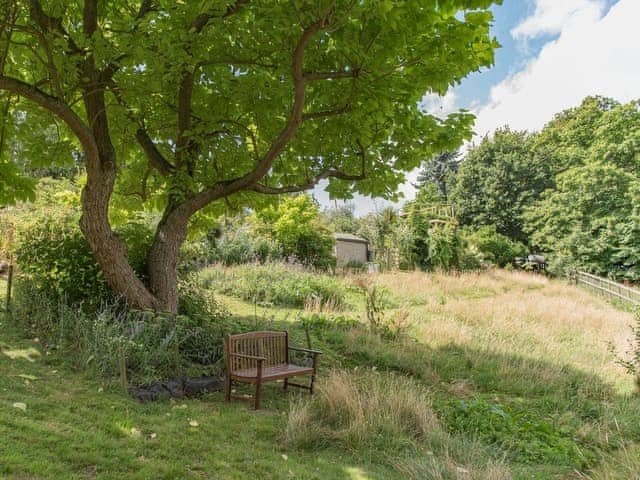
(536, 411)
(76, 427)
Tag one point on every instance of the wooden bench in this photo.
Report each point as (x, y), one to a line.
(259, 357)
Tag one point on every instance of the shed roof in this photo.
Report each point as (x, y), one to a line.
(347, 237)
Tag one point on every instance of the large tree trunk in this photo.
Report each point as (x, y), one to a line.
(164, 256)
(108, 249)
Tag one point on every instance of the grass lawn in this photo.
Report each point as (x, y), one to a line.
(518, 370)
(74, 427)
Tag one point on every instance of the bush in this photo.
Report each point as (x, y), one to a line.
(527, 439)
(274, 283)
(631, 362)
(241, 246)
(58, 261)
(155, 346)
(296, 226)
(53, 253)
(377, 300)
(496, 248)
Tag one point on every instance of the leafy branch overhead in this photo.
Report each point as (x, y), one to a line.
(187, 103)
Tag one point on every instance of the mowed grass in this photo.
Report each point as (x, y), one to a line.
(74, 427)
(502, 375)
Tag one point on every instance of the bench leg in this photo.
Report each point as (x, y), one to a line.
(313, 380)
(256, 404)
(286, 383)
(227, 387)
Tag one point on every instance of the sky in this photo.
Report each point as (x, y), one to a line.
(554, 53)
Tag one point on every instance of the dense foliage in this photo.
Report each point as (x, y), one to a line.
(495, 248)
(153, 346)
(570, 191)
(497, 180)
(187, 108)
(590, 220)
(276, 284)
(294, 224)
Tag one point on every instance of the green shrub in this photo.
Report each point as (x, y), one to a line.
(274, 283)
(57, 259)
(53, 253)
(241, 246)
(471, 259)
(527, 439)
(631, 361)
(296, 226)
(496, 248)
(155, 346)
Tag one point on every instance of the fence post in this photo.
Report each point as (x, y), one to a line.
(9, 285)
(123, 369)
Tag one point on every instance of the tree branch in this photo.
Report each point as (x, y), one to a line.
(248, 180)
(55, 106)
(201, 20)
(327, 113)
(155, 157)
(51, 24)
(312, 182)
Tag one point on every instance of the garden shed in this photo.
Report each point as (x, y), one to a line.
(350, 249)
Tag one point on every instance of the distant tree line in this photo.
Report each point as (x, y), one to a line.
(570, 192)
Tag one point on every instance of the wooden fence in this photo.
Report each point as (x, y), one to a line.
(607, 287)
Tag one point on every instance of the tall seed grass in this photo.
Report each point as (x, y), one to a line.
(275, 283)
(518, 314)
(365, 411)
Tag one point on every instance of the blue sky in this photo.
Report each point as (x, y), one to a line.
(554, 53)
(514, 54)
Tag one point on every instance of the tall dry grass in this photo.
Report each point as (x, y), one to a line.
(392, 416)
(517, 313)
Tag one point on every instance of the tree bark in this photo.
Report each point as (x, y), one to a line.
(108, 249)
(164, 256)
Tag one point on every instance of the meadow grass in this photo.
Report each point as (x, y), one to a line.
(502, 375)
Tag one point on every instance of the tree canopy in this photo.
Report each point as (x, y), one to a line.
(177, 105)
(497, 179)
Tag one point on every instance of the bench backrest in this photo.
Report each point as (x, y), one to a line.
(273, 346)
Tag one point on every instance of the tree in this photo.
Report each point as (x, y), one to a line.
(591, 218)
(438, 170)
(295, 224)
(435, 240)
(343, 218)
(497, 180)
(584, 220)
(189, 106)
(379, 228)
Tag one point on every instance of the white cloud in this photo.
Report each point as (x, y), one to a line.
(593, 55)
(552, 16)
(439, 106)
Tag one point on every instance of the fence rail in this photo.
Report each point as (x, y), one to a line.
(607, 287)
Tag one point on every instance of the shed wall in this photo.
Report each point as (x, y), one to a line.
(350, 252)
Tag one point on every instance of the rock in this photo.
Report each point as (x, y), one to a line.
(4, 267)
(194, 387)
(176, 388)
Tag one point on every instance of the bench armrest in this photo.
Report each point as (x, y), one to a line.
(250, 357)
(306, 350)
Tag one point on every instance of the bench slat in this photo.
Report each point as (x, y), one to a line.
(242, 352)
